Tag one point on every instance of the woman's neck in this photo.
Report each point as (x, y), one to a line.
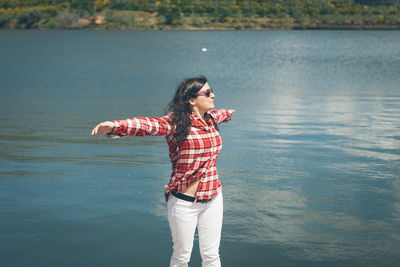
(199, 113)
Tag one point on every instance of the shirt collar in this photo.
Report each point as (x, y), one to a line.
(198, 122)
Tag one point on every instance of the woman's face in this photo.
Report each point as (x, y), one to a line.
(204, 100)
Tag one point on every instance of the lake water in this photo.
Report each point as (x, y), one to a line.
(310, 166)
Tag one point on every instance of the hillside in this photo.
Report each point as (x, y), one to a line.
(185, 14)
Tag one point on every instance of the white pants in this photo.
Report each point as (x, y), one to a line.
(183, 217)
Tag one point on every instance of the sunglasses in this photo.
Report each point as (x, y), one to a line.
(207, 92)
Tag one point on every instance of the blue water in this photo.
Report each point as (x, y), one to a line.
(310, 165)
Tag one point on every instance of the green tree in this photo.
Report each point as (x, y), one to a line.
(171, 13)
(223, 12)
(29, 19)
(5, 19)
(83, 7)
(121, 5)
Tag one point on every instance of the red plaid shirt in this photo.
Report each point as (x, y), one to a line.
(193, 158)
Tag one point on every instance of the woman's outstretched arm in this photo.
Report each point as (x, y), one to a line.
(138, 126)
(221, 115)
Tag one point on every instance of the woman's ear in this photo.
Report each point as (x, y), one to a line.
(192, 101)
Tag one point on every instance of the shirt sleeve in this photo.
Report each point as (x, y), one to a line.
(221, 115)
(141, 126)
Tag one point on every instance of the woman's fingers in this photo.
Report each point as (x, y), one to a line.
(102, 128)
(99, 132)
(95, 129)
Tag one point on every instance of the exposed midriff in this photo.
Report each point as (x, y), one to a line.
(191, 190)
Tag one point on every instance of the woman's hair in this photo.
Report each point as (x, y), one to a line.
(180, 107)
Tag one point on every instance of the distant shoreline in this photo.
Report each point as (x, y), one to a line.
(272, 28)
(199, 15)
(296, 27)
(140, 20)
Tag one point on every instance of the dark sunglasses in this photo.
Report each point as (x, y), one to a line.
(207, 92)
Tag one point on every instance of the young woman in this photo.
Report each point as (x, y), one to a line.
(193, 193)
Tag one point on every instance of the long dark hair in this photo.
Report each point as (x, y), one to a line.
(180, 107)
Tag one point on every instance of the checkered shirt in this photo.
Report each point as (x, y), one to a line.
(192, 159)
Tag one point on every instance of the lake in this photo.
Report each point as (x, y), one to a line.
(310, 165)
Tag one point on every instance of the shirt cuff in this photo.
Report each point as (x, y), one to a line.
(114, 132)
(229, 113)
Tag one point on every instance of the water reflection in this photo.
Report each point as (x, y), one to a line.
(339, 157)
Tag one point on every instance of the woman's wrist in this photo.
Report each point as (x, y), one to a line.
(112, 126)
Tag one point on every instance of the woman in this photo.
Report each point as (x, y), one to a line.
(194, 192)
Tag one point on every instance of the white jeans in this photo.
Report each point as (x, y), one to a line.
(183, 217)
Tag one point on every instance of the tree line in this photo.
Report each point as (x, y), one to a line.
(62, 13)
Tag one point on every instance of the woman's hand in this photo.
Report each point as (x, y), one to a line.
(102, 128)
